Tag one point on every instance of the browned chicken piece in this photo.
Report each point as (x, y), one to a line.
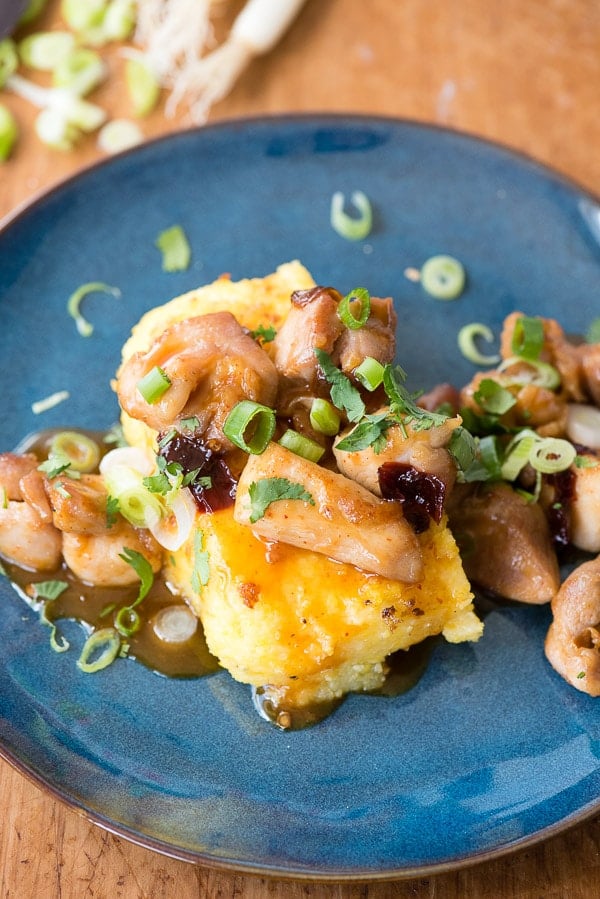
(312, 323)
(13, 467)
(505, 542)
(573, 641)
(589, 354)
(423, 450)
(78, 506)
(346, 522)
(96, 558)
(376, 338)
(535, 407)
(440, 395)
(585, 505)
(212, 364)
(557, 351)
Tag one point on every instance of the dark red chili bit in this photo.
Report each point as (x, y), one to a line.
(420, 494)
(559, 511)
(192, 454)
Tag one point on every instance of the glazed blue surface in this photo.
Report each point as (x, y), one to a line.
(491, 750)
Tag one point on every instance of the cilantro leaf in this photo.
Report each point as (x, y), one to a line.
(266, 334)
(371, 431)
(270, 490)
(493, 398)
(57, 464)
(403, 404)
(112, 510)
(49, 589)
(142, 568)
(343, 393)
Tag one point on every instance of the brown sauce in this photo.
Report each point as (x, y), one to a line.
(96, 607)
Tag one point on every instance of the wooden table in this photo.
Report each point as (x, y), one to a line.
(525, 74)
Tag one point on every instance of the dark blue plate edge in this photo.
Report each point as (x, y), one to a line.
(289, 871)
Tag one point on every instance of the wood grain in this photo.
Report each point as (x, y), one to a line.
(524, 74)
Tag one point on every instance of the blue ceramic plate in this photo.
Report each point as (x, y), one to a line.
(491, 750)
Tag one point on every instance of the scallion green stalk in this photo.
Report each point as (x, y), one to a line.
(153, 385)
(324, 417)
(301, 445)
(370, 373)
(250, 426)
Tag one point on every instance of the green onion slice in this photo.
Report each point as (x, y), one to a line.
(493, 398)
(9, 60)
(80, 71)
(345, 311)
(153, 385)
(250, 426)
(45, 49)
(443, 277)
(530, 371)
(302, 445)
(370, 373)
(9, 131)
(324, 417)
(142, 86)
(74, 302)
(350, 227)
(517, 455)
(467, 337)
(127, 621)
(82, 452)
(119, 135)
(528, 337)
(99, 650)
(551, 455)
(175, 249)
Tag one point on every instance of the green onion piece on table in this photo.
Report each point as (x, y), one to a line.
(9, 59)
(80, 71)
(142, 86)
(351, 227)
(250, 426)
(44, 50)
(9, 132)
(443, 277)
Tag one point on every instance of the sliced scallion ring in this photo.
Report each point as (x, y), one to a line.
(529, 371)
(324, 417)
(175, 624)
(250, 426)
(443, 277)
(83, 326)
(118, 135)
(45, 49)
(153, 385)
(350, 227)
(551, 455)
(518, 457)
(301, 445)
(346, 313)
(82, 14)
(528, 337)
(467, 337)
(99, 650)
(82, 452)
(370, 373)
(127, 621)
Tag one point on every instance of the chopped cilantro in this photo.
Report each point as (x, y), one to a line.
(112, 509)
(343, 393)
(142, 568)
(403, 404)
(56, 464)
(371, 431)
(266, 334)
(585, 462)
(270, 490)
(49, 589)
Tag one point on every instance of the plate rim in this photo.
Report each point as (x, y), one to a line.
(196, 857)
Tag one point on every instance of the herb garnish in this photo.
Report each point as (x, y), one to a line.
(343, 393)
(201, 572)
(269, 490)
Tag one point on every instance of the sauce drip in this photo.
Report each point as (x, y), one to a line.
(192, 455)
(421, 495)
